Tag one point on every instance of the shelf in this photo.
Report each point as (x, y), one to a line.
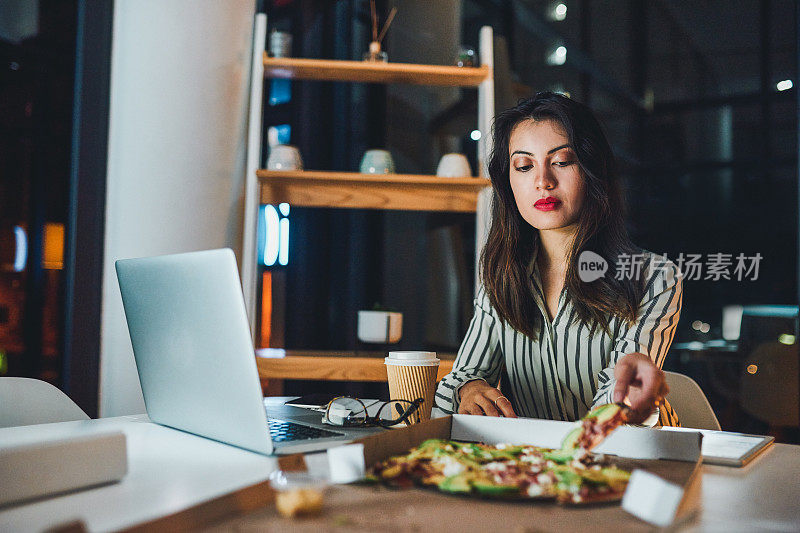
(366, 72)
(370, 191)
(330, 366)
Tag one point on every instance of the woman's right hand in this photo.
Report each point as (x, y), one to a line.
(479, 398)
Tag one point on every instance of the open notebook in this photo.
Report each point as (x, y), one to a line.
(729, 449)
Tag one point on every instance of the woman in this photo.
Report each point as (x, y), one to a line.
(560, 344)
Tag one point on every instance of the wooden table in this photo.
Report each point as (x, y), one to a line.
(762, 496)
(329, 365)
(178, 481)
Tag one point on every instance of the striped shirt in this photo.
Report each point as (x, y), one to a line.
(568, 371)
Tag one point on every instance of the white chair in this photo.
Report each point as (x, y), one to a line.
(690, 403)
(26, 401)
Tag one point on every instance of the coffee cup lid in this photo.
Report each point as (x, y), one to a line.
(412, 358)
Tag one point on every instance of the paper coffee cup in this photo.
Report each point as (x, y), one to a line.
(412, 375)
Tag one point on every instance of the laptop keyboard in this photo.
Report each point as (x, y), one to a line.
(283, 431)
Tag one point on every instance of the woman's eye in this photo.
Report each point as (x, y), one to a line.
(523, 168)
(564, 163)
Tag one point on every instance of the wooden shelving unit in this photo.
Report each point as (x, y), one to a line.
(365, 191)
(410, 192)
(366, 72)
(351, 189)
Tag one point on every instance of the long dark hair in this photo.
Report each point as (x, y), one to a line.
(601, 226)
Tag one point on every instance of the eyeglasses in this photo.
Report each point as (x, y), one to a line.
(352, 412)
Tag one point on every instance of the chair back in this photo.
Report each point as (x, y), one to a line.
(26, 401)
(690, 403)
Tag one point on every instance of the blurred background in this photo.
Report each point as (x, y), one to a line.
(699, 101)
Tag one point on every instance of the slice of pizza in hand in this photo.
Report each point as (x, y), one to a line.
(598, 424)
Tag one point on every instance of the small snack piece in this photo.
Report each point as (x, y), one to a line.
(298, 502)
(298, 493)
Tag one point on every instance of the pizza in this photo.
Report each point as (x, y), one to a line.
(570, 475)
(596, 426)
(505, 471)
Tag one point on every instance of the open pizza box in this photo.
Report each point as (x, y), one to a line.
(664, 465)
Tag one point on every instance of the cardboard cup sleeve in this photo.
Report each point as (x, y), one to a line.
(407, 382)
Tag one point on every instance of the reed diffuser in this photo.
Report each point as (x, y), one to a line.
(375, 53)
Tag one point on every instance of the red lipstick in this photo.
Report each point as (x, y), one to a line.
(547, 204)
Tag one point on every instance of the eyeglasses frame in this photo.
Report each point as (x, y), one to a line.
(375, 420)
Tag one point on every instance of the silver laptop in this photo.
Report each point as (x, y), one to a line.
(193, 350)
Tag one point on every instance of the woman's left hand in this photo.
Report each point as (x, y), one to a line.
(640, 381)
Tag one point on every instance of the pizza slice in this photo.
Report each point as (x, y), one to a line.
(430, 463)
(579, 484)
(598, 424)
(513, 472)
